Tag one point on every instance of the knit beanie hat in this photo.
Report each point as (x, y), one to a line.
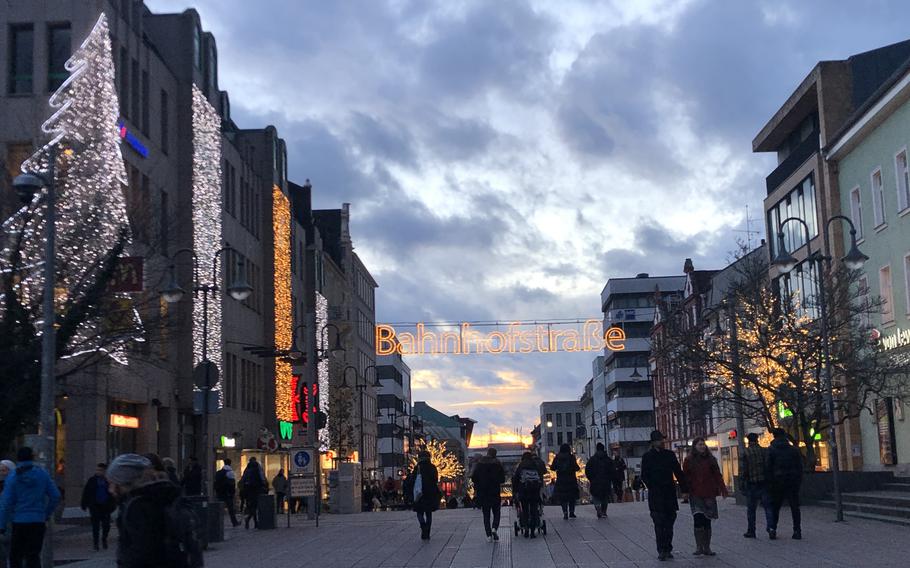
(10, 466)
(127, 468)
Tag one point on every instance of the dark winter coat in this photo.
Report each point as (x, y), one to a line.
(658, 470)
(600, 473)
(619, 470)
(142, 525)
(429, 500)
(252, 482)
(565, 465)
(90, 496)
(523, 490)
(192, 480)
(785, 463)
(703, 477)
(488, 477)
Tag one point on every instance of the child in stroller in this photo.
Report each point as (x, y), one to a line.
(527, 483)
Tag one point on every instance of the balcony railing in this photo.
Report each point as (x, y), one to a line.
(791, 163)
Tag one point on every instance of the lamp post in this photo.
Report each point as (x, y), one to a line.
(601, 426)
(854, 260)
(360, 387)
(26, 186)
(240, 291)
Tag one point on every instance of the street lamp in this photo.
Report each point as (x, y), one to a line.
(27, 185)
(239, 290)
(596, 426)
(854, 260)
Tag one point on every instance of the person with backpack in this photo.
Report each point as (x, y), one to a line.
(566, 466)
(29, 499)
(225, 484)
(98, 501)
(157, 526)
(252, 484)
(423, 486)
(599, 471)
(785, 475)
(527, 482)
(488, 477)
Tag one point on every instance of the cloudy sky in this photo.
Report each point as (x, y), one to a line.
(505, 158)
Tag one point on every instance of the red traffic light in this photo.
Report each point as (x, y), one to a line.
(731, 435)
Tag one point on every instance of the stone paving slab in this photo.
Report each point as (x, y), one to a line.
(624, 539)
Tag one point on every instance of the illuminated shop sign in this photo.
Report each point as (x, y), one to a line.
(123, 421)
(517, 338)
(227, 442)
(133, 142)
(899, 338)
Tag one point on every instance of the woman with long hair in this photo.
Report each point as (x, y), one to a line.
(422, 486)
(705, 483)
(566, 466)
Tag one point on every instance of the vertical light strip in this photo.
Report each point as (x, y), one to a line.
(207, 222)
(322, 368)
(281, 225)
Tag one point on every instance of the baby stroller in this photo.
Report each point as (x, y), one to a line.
(526, 488)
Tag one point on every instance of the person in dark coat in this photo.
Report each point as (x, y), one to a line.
(619, 475)
(171, 469)
(252, 485)
(527, 481)
(566, 466)
(705, 484)
(192, 478)
(144, 496)
(753, 473)
(98, 501)
(785, 475)
(488, 477)
(600, 474)
(659, 467)
(225, 485)
(427, 500)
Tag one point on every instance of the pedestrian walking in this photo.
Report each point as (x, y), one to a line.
(785, 475)
(423, 486)
(600, 473)
(28, 501)
(753, 476)
(192, 478)
(280, 485)
(619, 475)
(156, 526)
(225, 485)
(98, 501)
(659, 467)
(566, 466)
(6, 467)
(705, 483)
(637, 487)
(527, 482)
(252, 485)
(488, 477)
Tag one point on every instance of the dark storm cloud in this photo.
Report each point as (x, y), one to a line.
(456, 139)
(383, 140)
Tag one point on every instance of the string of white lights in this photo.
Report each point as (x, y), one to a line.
(322, 368)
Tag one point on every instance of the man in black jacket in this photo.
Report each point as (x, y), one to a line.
(659, 466)
(488, 477)
(785, 475)
(192, 478)
(600, 473)
(98, 501)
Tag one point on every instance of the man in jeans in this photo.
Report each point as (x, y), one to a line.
(754, 479)
(225, 488)
(785, 470)
(29, 498)
(98, 501)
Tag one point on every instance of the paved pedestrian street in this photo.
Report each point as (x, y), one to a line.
(624, 539)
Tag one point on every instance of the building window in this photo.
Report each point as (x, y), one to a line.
(800, 202)
(144, 123)
(878, 198)
(559, 437)
(134, 90)
(212, 75)
(124, 81)
(21, 60)
(165, 121)
(164, 226)
(856, 211)
(549, 438)
(549, 419)
(558, 419)
(578, 418)
(885, 289)
(902, 172)
(907, 283)
(197, 47)
(568, 419)
(58, 52)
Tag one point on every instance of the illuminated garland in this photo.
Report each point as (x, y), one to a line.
(90, 176)
(207, 222)
(322, 368)
(281, 225)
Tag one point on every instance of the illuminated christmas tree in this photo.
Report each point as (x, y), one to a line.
(446, 462)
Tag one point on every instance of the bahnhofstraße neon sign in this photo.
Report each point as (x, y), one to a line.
(515, 337)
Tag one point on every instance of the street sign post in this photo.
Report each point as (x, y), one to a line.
(303, 461)
(302, 486)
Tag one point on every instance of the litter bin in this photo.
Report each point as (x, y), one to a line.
(268, 516)
(211, 519)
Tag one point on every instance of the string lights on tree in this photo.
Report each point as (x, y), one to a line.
(281, 226)
(446, 462)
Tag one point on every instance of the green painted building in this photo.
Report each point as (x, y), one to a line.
(870, 158)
